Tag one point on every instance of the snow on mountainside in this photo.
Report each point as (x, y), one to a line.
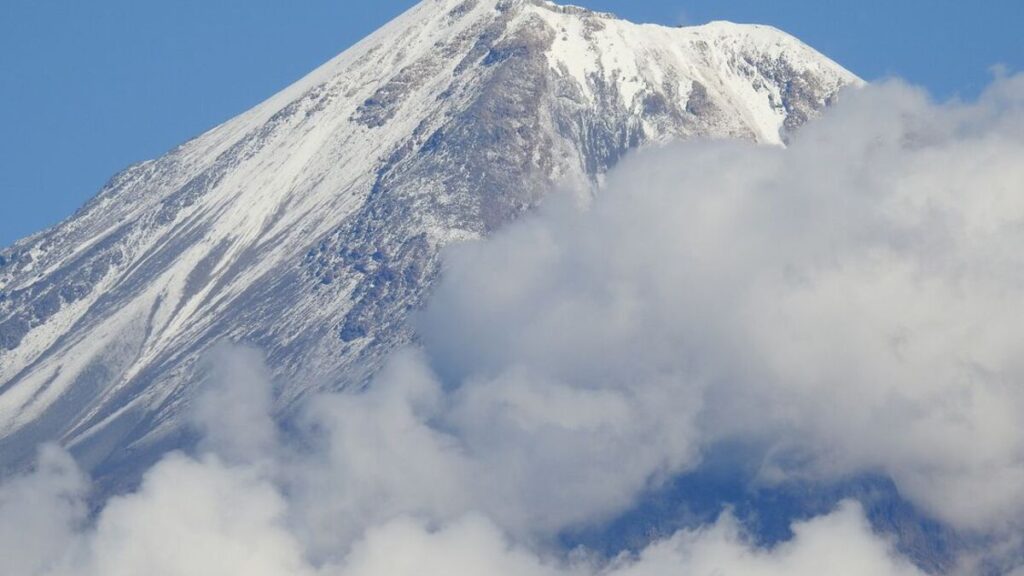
(311, 225)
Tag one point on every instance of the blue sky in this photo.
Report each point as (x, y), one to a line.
(91, 87)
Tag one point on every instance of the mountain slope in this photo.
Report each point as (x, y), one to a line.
(311, 225)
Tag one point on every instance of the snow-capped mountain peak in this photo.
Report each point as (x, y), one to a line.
(311, 225)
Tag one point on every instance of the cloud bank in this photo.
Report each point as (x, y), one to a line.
(855, 301)
(852, 304)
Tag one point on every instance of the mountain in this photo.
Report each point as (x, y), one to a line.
(311, 225)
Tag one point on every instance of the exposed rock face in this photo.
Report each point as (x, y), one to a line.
(311, 225)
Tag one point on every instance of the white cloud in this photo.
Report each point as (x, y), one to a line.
(375, 456)
(850, 303)
(851, 299)
(468, 547)
(194, 518)
(200, 516)
(839, 544)
(40, 513)
(233, 411)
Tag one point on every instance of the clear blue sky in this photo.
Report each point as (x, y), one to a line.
(89, 87)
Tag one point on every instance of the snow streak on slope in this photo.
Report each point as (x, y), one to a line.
(310, 225)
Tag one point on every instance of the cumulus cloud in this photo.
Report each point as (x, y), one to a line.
(194, 517)
(840, 544)
(848, 305)
(201, 516)
(40, 513)
(233, 412)
(851, 300)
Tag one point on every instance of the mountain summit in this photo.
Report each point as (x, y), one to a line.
(311, 225)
